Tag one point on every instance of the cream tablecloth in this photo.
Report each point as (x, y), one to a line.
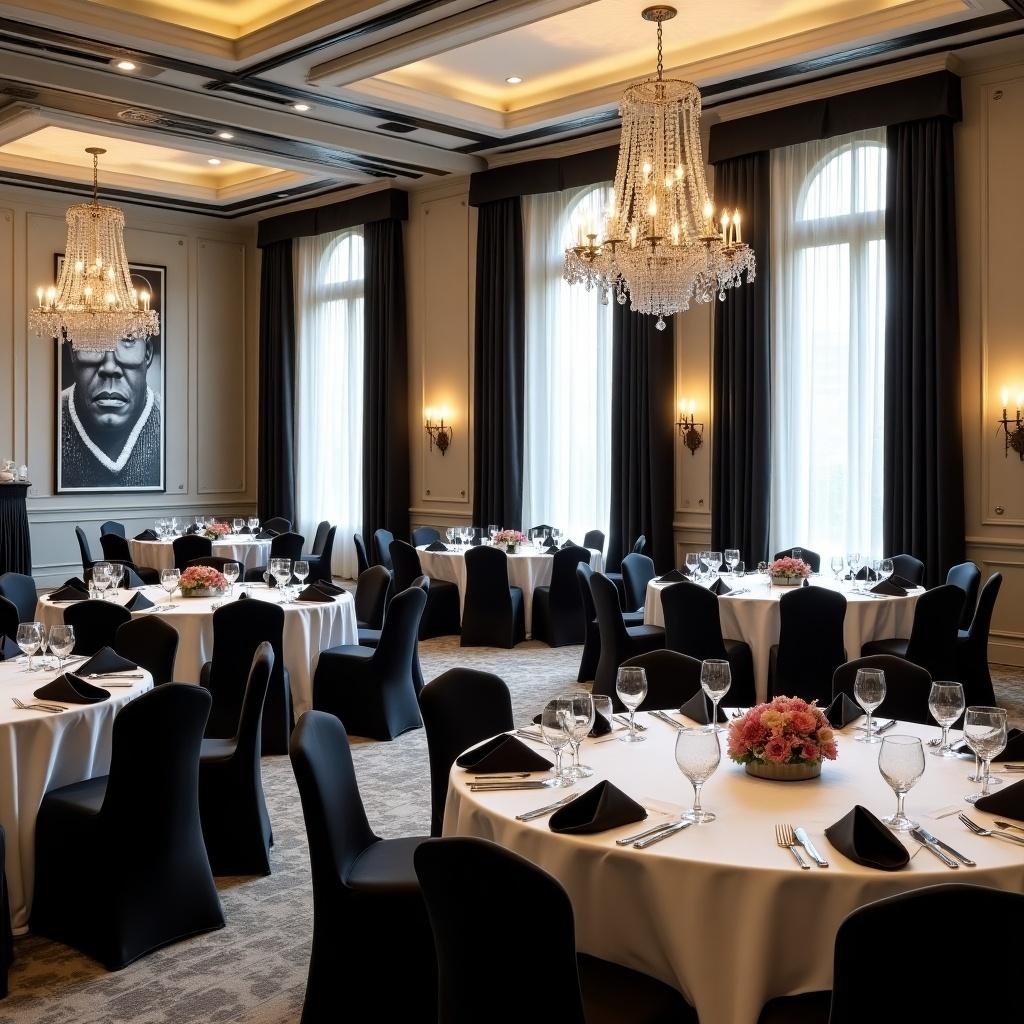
(754, 617)
(40, 751)
(159, 554)
(719, 910)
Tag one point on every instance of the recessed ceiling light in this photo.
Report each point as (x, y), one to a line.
(300, 107)
(126, 65)
(283, 195)
(513, 79)
(213, 160)
(225, 135)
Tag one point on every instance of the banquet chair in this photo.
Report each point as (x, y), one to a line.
(538, 530)
(909, 568)
(151, 643)
(319, 559)
(279, 524)
(190, 546)
(972, 647)
(493, 613)
(371, 600)
(906, 687)
(382, 541)
(239, 627)
(637, 572)
(144, 818)
(591, 633)
(810, 646)
(9, 619)
(966, 576)
(618, 641)
(933, 635)
(468, 881)
(116, 549)
(693, 626)
(594, 540)
(424, 535)
(83, 548)
(371, 690)
(441, 616)
(96, 623)
(461, 708)
(812, 558)
(218, 562)
(638, 548)
(362, 559)
(20, 590)
(558, 608)
(672, 678)
(232, 808)
(870, 944)
(371, 934)
(110, 526)
(6, 941)
(287, 545)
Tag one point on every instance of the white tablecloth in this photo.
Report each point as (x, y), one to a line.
(159, 554)
(40, 751)
(309, 628)
(718, 910)
(754, 617)
(528, 569)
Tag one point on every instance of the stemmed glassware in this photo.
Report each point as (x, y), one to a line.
(449, 534)
(631, 688)
(885, 568)
(254, 524)
(946, 703)
(44, 641)
(693, 563)
(301, 570)
(236, 525)
(603, 708)
(901, 762)
(985, 732)
(231, 575)
(838, 564)
(281, 570)
(169, 579)
(174, 525)
(116, 575)
(716, 562)
(698, 755)
(797, 553)
(200, 522)
(62, 642)
(869, 689)
(580, 706)
(854, 559)
(556, 730)
(732, 556)
(715, 680)
(28, 639)
(101, 577)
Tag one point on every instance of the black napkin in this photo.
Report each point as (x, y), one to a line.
(329, 588)
(698, 707)
(9, 650)
(243, 596)
(569, 543)
(806, 582)
(888, 588)
(191, 529)
(146, 535)
(270, 580)
(71, 689)
(1006, 803)
(602, 726)
(602, 807)
(899, 581)
(106, 659)
(842, 711)
(864, 573)
(436, 545)
(719, 587)
(138, 603)
(675, 576)
(549, 543)
(860, 836)
(476, 542)
(266, 535)
(502, 754)
(315, 594)
(1014, 750)
(71, 591)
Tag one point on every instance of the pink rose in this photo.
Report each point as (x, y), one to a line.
(803, 722)
(777, 749)
(829, 751)
(810, 751)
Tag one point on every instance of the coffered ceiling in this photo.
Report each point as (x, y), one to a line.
(299, 97)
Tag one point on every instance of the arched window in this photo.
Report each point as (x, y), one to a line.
(828, 332)
(329, 387)
(567, 461)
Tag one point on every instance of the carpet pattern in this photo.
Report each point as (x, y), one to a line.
(254, 970)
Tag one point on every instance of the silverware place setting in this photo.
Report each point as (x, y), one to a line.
(939, 848)
(542, 812)
(52, 708)
(662, 716)
(637, 836)
(785, 838)
(978, 830)
(624, 720)
(508, 786)
(812, 851)
(1009, 824)
(664, 833)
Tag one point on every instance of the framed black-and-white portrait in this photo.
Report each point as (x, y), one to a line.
(110, 423)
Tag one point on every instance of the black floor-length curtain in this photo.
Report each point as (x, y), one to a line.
(741, 449)
(385, 381)
(500, 374)
(643, 404)
(276, 484)
(924, 474)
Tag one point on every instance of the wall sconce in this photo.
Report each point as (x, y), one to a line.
(1013, 429)
(692, 433)
(438, 433)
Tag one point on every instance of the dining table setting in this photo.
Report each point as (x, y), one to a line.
(240, 540)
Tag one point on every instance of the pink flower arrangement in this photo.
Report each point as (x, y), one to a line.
(202, 577)
(786, 730)
(509, 537)
(790, 567)
(216, 530)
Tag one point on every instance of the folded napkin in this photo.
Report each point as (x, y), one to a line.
(1006, 803)
(899, 581)
(602, 726)
(888, 588)
(9, 650)
(315, 594)
(70, 592)
(70, 688)
(138, 603)
(502, 754)
(602, 807)
(675, 576)
(269, 580)
(191, 529)
(842, 711)
(266, 535)
(436, 545)
(719, 587)
(549, 543)
(106, 659)
(476, 542)
(243, 596)
(569, 543)
(864, 573)
(860, 836)
(1014, 749)
(329, 588)
(146, 535)
(806, 582)
(698, 708)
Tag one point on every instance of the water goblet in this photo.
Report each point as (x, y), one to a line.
(901, 762)
(44, 641)
(732, 556)
(869, 689)
(838, 564)
(854, 559)
(715, 680)
(631, 688)
(230, 572)
(101, 577)
(62, 642)
(169, 580)
(885, 568)
(236, 525)
(580, 706)
(603, 708)
(985, 732)
(698, 755)
(797, 553)
(254, 524)
(281, 568)
(449, 535)
(556, 731)
(174, 524)
(693, 563)
(946, 703)
(116, 575)
(301, 570)
(715, 562)
(28, 639)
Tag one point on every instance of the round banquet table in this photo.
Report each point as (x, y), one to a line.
(41, 751)
(754, 617)
(528, 569)
(718, 910)
(159, 554)
(309, 628)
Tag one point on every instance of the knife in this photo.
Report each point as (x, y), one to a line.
(804, 840)
(663, 834)
(888, 725)
(662, 717)
(932, 847)
(949, 849)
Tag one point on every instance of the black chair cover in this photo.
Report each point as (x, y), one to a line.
(558, 614)
(287, 545)
(320, 537)
(20, 590)
(278, 524)
(906, 687)
(218, 562)
(110, 526)
(382, 541)
(424, 535)
(362, 558)
(909, 568)
(966, 576)
(810, 646)
(189, 547)
(115, 547)
(591, 633)
(972, 647)
(96, 623)
(812, 558)
(320, 560)
(9, 619)
(83, 548)
(441, 616)
(637, 572)
(594, 540)
(151, 643)
(493, 614)
(372, 591)
(672, 679)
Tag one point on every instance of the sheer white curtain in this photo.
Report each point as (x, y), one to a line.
(567, 462)
(329, 389)
(828, 333)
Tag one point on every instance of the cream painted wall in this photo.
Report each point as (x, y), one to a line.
(210, 344)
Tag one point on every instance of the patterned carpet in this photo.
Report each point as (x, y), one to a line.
(254, 970)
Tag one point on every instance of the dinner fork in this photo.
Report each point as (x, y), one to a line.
(784, 837)
(54, 708)
(979, 831)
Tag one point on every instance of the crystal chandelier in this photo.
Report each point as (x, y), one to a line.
(661, 243)
(93, 305)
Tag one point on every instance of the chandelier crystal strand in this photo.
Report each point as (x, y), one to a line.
(662, 245)
(94, 304)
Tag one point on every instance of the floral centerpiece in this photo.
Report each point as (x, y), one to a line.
(510, 538)
(215, 531)
(785, 739)
(788, 572)
(202, 581)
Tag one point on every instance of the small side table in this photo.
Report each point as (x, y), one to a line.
(15, 543)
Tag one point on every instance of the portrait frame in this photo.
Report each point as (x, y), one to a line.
(145, 276)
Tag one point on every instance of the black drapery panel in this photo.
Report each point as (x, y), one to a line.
(741, 453)
(924, 474)
(385, 382)
(643, 402)
(276, 490)
(500, 374)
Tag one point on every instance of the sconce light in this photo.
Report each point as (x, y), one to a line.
(1013, 429)
(692, 433)
(438, 433)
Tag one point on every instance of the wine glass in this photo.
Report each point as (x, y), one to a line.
(254, 524)
(715, 680)
(556, 730)
(62, 642)
(885, 568)
(236, 525)
(449, 534)
(838, 564)
(230, 571)
(580, 706)
(854, 559)
(946, 702)
(901, 762)
(698, 755)
(603, 708)
(200, 522)
(693, 563)
(301, 570)
(28, 639)
(492, 530)
(116, 575)
(797, 553)
(101, 577)
(985, 732)
(44, 640)
(169, 579)
(869, 689)
(732, 556)
(716, 562)
(174, 525)
(281, 568)
(631, 688)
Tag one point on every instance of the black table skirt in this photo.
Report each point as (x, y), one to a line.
(15, 545)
